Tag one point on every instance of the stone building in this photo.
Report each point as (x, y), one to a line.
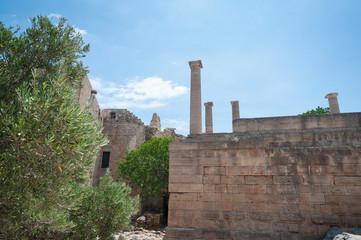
(271, 178)
(125, 132)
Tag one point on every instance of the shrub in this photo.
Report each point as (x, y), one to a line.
(102, 211)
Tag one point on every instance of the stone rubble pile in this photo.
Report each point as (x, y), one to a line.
(141, 234)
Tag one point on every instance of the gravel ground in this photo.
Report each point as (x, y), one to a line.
(142, 234)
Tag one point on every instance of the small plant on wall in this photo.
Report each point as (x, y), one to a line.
(318, 110)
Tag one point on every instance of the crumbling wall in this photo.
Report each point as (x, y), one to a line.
(86, 95)
(125, 132)
(273, 178)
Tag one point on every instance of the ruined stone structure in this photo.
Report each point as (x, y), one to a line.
(209, 117)
(125, 132)
(195, 122)
(332, 100)
(272, 178)
(86, 96)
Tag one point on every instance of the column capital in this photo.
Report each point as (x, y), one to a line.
(208, 104)
(234, 102)
(330, 95)
(194, 64)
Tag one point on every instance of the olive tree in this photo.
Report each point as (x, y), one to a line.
(48, 144)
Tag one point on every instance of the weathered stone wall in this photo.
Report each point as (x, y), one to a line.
(86, 95)
(268, 180)
(125, 133)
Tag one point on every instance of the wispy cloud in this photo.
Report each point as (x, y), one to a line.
(181, 126)
(80, 31)
(151, 92)
(54, 15)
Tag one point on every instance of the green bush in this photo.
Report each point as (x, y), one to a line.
(102, 211)
(147, 168)
(318, 110)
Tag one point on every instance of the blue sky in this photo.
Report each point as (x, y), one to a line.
(278, 58)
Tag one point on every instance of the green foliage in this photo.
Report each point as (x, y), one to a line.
(318, 110)
(102, 211)
(147, 168)
(47, 142)
(43, 46)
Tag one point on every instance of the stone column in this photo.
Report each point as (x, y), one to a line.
(235, 110)
(196, 101)
(333, 103)
(209, 117)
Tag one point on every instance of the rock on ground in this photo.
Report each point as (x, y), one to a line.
(141, 234)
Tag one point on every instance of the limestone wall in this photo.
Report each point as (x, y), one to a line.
(86, 95)
(125, 132)
(269, 180)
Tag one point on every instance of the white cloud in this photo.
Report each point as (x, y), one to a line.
(54, 15)
(80, 31)
(96, 83)
(181, 126)
(151, 92)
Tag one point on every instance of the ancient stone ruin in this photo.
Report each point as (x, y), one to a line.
(271, 178)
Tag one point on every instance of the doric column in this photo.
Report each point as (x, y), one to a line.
(196, 101)
(333, 103)
(209, 117)
(235, 110)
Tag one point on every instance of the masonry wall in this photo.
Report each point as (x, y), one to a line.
(125, 133)
(86, 96)
(268, 181)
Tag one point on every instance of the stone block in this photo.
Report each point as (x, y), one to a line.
(292, 217)
(350, 200)
(262, 216)
(221, 188)
(234, 197)
(173, 178)
(291, 208)
(355, 210)
(259, 179)
(183, 213)
(325, 219)
(348, 180)
(331, 200)
(214, 170)
(233, 188)
(209, 161)
(351, 221)
(294, 228)
(232, 179)
(287, 179)
(211, 179)
(183, 146)
(321, 209)
(234, 215)
(315, 198)
(183, 196)
(337, 190)
(259, 207)
(183, 187)
(182, 162)
(264, 236)
(260, 198)
(353, 190)
(340, 210)
(317, 180)
(209, 197)
(209, 214)
(188, 169)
